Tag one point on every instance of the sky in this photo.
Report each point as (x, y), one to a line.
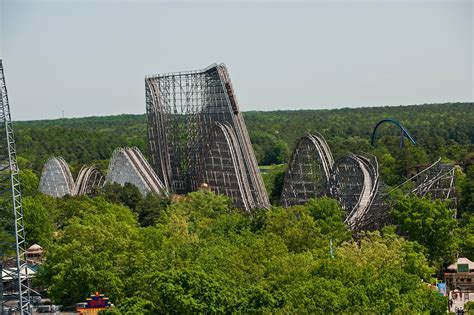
(89, 58)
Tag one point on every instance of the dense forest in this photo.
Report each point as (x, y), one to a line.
(440, 130)
(197, 254)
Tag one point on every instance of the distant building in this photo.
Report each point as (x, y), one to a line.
(459, 278)
(34, 255)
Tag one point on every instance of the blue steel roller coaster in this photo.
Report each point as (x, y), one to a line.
(404, 131)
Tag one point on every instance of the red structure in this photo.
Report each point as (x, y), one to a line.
(93, 305)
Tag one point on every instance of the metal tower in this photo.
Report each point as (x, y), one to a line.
(12, 239)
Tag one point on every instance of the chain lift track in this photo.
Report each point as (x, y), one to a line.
(187, 109)
(14, 266)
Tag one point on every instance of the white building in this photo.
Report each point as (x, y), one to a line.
(459, 278)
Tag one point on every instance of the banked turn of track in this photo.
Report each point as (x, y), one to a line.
(355, 182)
(352, 179)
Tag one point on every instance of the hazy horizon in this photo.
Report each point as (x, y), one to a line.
(90, 58)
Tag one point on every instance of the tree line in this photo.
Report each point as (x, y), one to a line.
(441, 130)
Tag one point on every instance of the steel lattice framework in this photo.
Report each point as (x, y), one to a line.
(437, 181)
(187, 109)
(353, 180)
(309, 171)
(13, 262)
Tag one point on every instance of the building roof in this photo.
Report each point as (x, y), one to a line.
(10, 273)
(35, 248)
(461, 260)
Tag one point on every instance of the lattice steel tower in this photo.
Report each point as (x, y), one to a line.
(12, 239)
